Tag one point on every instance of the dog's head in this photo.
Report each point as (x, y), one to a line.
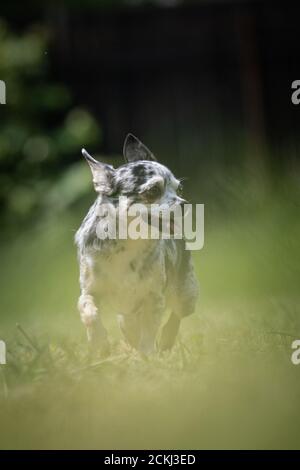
(141, 179)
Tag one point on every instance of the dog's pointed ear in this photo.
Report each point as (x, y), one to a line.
(102, 174)
(134, 150)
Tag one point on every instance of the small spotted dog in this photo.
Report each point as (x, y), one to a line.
(137, 279)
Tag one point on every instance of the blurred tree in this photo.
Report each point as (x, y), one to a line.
(40, 130)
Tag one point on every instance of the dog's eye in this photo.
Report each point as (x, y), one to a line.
(179, 189)
(153, 193)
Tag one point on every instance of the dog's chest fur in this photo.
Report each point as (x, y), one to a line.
(129, 273)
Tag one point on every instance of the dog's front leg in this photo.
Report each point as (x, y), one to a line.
(96, 333)
(169, 332)
(150, 322)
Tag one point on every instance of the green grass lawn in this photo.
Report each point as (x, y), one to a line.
(228, 383)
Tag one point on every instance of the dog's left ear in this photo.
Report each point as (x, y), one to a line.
(134, 150)
(102, 174)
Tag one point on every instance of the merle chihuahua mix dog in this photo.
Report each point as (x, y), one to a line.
(138, 279)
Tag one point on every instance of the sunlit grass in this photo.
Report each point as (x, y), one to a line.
(229, 383)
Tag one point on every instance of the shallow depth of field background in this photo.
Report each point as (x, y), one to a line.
(207, 86)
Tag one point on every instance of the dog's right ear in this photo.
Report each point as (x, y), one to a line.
(102, 174)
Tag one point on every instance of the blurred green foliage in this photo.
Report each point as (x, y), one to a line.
(40, 132)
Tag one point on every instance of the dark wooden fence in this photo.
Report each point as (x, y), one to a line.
(199, 82)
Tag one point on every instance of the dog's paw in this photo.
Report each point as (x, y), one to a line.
(88, 310)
